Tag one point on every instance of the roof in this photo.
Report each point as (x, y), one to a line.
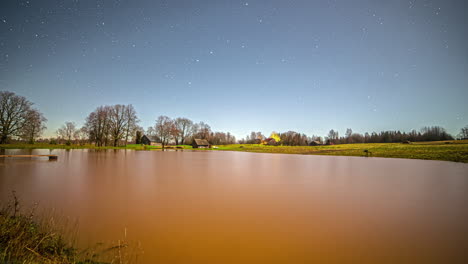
(151, 138)
(201, 142)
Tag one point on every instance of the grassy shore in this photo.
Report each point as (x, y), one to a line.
(85, 146)
(453, 150)
(28, 238)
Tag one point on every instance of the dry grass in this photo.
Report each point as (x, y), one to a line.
(27, 238)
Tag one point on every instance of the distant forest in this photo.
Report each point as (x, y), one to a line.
(118, 125)
(292, 138)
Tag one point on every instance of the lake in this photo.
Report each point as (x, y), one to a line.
(237, 207)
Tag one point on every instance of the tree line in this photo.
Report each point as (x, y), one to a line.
(183, 131)
(429, 133)
(18, 118)
(113, 125)
(292, 138)
(118, 125)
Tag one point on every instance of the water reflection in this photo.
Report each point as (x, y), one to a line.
(232, 207)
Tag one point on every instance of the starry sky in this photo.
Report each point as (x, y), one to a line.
(242, 66)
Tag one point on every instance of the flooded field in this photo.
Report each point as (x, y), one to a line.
(234, 207)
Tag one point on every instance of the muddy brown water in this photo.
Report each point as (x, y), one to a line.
(234, 207)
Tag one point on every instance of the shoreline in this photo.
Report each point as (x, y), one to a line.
(454, 150)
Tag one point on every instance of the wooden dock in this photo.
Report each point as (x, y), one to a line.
(51, 157)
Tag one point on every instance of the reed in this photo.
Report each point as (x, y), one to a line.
(29, 238)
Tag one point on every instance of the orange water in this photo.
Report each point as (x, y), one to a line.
(233, 207)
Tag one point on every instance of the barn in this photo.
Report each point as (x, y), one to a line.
(200, 143)
(269, 141)
(315, 143)
(150, 140)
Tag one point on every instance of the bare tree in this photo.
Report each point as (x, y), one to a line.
(67, 131)
(434, 133)
(131, 122)
(184, 128)
(150, 131)
(14, 111)
(34, 126)
(255, 138)
(463, 133)
(98, 125)
(80, 135)
(164, 129)
(292, 138)
(348, 134)
(252, 139)
(332, 136)
(175, 133)
(202, 130)
(221, 138)
(230, 139)
(117, 123)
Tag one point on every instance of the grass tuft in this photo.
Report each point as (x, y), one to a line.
(26, 238)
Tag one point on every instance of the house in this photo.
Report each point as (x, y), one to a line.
(200, 143)
(314, 143)
(150, 140)
(269, 141)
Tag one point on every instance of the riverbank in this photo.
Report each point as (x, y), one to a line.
(453, 150)
(86, 146)
(28, 238)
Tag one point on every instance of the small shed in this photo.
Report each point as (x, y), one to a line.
(150, 140)
(314, 143)
(200, 143)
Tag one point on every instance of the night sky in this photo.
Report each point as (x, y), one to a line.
(240, 66)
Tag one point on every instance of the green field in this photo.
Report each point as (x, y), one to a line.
(438, 150)
(454, 150)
